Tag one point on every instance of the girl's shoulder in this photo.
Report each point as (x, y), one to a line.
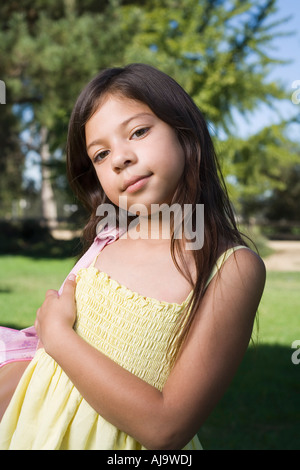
(244, 259)
(227, 246)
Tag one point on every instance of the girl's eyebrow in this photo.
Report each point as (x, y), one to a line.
(123, 124)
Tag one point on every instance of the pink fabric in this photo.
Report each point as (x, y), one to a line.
(21, 345)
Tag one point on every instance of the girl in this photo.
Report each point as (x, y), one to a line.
(138, 351)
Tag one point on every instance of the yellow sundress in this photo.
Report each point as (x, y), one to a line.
(47, 411)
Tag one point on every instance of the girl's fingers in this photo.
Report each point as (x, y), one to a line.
(51, 293)
(70, 284)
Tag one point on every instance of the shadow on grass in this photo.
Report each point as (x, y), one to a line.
(13, 326)
(5, 290)
(29, 238)
(260, 410)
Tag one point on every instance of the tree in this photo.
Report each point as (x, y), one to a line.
(216, 49)
(67, 52)
(11, 160)
(258, 167)
(284, 202)
(220, 52)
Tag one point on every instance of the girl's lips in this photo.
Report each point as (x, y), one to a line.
(136, 183)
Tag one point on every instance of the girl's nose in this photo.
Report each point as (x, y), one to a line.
(122, 159)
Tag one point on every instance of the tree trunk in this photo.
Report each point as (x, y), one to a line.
(49, 209)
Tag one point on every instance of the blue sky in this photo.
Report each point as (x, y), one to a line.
(287, 48)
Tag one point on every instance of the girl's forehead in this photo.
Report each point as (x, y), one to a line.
(121, 101)
(118, 108)
(116, 112)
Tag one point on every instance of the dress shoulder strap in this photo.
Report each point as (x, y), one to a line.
(221, 260)
(94, 260)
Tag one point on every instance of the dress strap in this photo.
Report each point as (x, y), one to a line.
(221, 260)
(108, 242)
(94, 260)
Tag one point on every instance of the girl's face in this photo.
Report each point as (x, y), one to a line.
(134, 153)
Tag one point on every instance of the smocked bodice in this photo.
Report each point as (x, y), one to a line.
(139, 333)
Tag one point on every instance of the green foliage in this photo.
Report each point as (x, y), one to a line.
(67, 52)
(218, 50)
(215, 49)
(258, 167)
(284, 203)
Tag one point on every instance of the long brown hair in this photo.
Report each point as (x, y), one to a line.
(201, 183)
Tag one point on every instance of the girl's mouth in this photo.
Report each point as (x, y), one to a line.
(135, 183)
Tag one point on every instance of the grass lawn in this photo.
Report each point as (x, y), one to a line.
(23, 283)
(260, 410)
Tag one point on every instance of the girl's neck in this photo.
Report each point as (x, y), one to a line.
(153, 227)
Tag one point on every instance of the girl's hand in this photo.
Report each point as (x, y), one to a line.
(56, 315)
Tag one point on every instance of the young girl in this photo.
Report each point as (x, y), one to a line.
(138, 350)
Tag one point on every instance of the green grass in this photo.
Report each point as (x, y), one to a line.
(23, 283)
(280, 309)
(260, 410)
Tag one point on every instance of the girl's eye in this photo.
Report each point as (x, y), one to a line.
(100, 156)
(140, 132)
